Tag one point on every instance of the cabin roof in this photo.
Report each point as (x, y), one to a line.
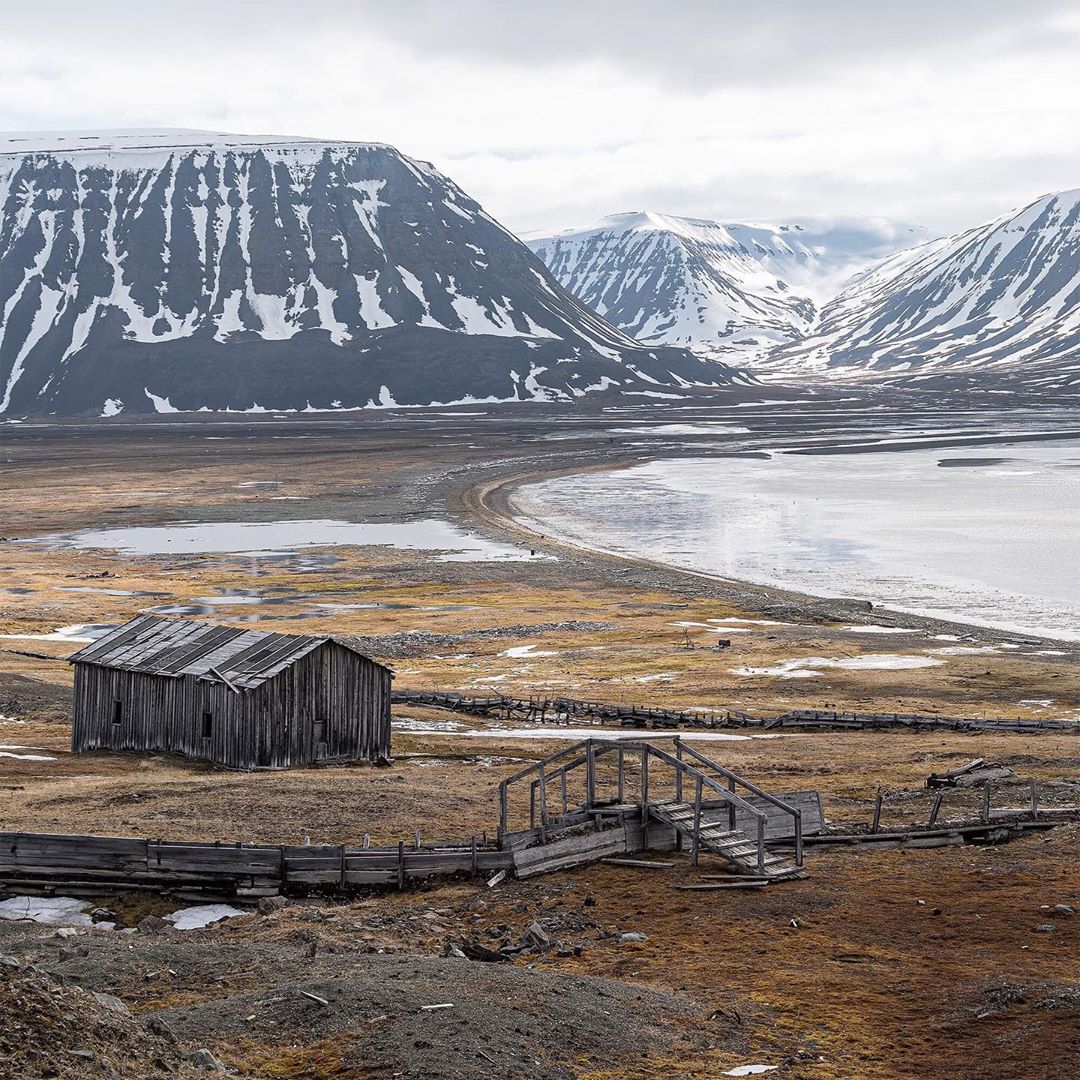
(235, 655)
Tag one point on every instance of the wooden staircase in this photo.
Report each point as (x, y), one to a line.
(740, 840)
(733, 845)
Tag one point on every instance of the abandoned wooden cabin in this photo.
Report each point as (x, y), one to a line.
(243, 698)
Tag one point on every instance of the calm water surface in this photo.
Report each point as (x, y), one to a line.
(956, 533)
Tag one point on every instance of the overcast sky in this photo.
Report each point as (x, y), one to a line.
(554, 113)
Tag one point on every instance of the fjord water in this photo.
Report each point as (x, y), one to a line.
(987, 536)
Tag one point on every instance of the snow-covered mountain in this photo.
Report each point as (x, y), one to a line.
(169, 270)
(722, 288)
(995, 307)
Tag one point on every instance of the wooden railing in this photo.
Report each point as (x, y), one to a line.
(554, 770)
(735, 780)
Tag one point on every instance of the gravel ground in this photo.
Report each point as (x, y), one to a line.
(503, 1019)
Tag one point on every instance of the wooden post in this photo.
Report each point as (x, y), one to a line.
(798, 839)
(342, 867)
(678, 771)
(416, 840)
(532, 805)
(475, 862)
(877, 813)
(1035, 798)
(645, 797)
(590, 774)
(401, 864)
(731, 805)
(562, 785)
(504, 813)
(622, 778)
(543, 805)
(697, 822)
(761, 845)
(935, 809)
(986, 802)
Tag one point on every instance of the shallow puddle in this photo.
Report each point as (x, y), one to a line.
(280, 538)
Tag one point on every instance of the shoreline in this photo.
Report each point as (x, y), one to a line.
(489, 504)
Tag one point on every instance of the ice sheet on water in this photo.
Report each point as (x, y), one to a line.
(886, 526)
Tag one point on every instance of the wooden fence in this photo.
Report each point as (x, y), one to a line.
(36, 860)
(561, 710)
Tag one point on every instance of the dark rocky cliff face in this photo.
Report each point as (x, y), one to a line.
(184, 271)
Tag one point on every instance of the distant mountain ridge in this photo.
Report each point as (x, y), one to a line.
(177, 270)
(997, 306)
(722, 288)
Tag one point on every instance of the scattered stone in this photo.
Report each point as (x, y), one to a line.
(1064, 909)
(269, 904)
(1045, 928)
(66, 932)
(631, 937)
(475, 951)
(110, 1001)
(537, 936)
(203, 1059)
(10, 962)
(153, 924)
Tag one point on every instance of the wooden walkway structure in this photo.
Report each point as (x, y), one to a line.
(593, 800)
(701, 803)
(560, 710)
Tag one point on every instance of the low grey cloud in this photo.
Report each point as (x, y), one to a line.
(721, 42)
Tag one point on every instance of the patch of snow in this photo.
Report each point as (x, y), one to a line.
(810, 666)
(526, 650)
(112, 407)
(49, 910)
(77, 633)
(194, 918)
(161, 404)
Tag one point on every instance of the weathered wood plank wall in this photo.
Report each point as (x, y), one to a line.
(269, 726)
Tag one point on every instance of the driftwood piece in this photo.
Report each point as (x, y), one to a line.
(641, 864)
(973, 774)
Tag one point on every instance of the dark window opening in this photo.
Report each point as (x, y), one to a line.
(207, 725)
(117, 712)
(319, 728)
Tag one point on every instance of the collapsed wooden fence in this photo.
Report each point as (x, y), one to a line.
(560, 710)
(95, 863)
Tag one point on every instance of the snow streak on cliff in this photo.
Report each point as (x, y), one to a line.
(184, 270)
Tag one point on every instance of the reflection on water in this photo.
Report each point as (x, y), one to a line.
(991, 541)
